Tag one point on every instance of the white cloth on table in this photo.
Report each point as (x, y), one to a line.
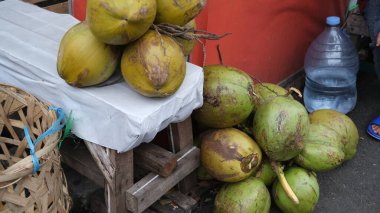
(113, 116)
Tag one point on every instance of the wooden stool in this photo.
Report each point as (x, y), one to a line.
(115, 171)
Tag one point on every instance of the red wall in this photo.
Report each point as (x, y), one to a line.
(79, 9)
(269, 37)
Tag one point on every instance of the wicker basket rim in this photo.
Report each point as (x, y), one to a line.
(25, 166)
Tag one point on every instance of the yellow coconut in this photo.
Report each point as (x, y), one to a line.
(154, 65)
(119, 22)
(229, 155)
(187, 45)
(178, 12)
(83, 60)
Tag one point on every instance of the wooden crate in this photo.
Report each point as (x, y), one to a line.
(58, 6)
(116, 172)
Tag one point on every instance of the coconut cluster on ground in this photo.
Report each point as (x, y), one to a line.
(240, 120)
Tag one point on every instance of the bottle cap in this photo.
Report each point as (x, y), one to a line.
(333, 20)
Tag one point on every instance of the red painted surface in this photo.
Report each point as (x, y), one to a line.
(269, 37)
(79, 9)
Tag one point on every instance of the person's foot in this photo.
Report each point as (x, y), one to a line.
(376, 128)
(373, 129)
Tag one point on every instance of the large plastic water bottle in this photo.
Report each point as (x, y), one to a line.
(331, 66)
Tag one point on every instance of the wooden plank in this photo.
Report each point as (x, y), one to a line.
(59, 8)
(149, 211)
(33, 1)
(167, 207)
(187, 203)
(182, 135)
(149, 189)
(155, 159)
(122, 179)
(79, 159)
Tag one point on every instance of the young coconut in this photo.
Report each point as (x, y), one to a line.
(266, 92)
(83, 60)
(178, 12)
(304, 185)
(279, 127)
(119, 22)
(341, 124)
(227, 97)
(229, 155)
(323, 149)
(154, 65)
(249, 195)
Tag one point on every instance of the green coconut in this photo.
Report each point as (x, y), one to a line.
(227, 97)
(279, 126)
(266, 92)
(304, 184)
(341, 124)
(154, 65)
(249, 195)
(229, 155)
(265, 172)
(323, 150)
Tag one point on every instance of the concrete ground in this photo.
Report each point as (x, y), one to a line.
(352, 188)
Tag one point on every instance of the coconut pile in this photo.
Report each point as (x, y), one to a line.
(127, 34)
(259, 141)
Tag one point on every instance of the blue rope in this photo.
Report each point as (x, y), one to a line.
(53, 129)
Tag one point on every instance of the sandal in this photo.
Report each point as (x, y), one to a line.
(370, 131)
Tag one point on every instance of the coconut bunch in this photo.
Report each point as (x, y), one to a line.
(294, 145)
(127, 35)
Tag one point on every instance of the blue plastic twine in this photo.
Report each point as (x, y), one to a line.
(53, 129)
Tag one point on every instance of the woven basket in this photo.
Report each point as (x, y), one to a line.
(20, 190)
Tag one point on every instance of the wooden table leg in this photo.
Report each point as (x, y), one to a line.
(117, 169)
(182, 136)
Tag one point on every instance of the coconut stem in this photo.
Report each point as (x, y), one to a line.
(186, 33)
(262, 84)
(219, 54)
(161, 39)
(249, 162)
(203, 50)
(292, 89)
(284, 183)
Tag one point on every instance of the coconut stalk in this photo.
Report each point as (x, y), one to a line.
(187, 34)
(279, 170)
